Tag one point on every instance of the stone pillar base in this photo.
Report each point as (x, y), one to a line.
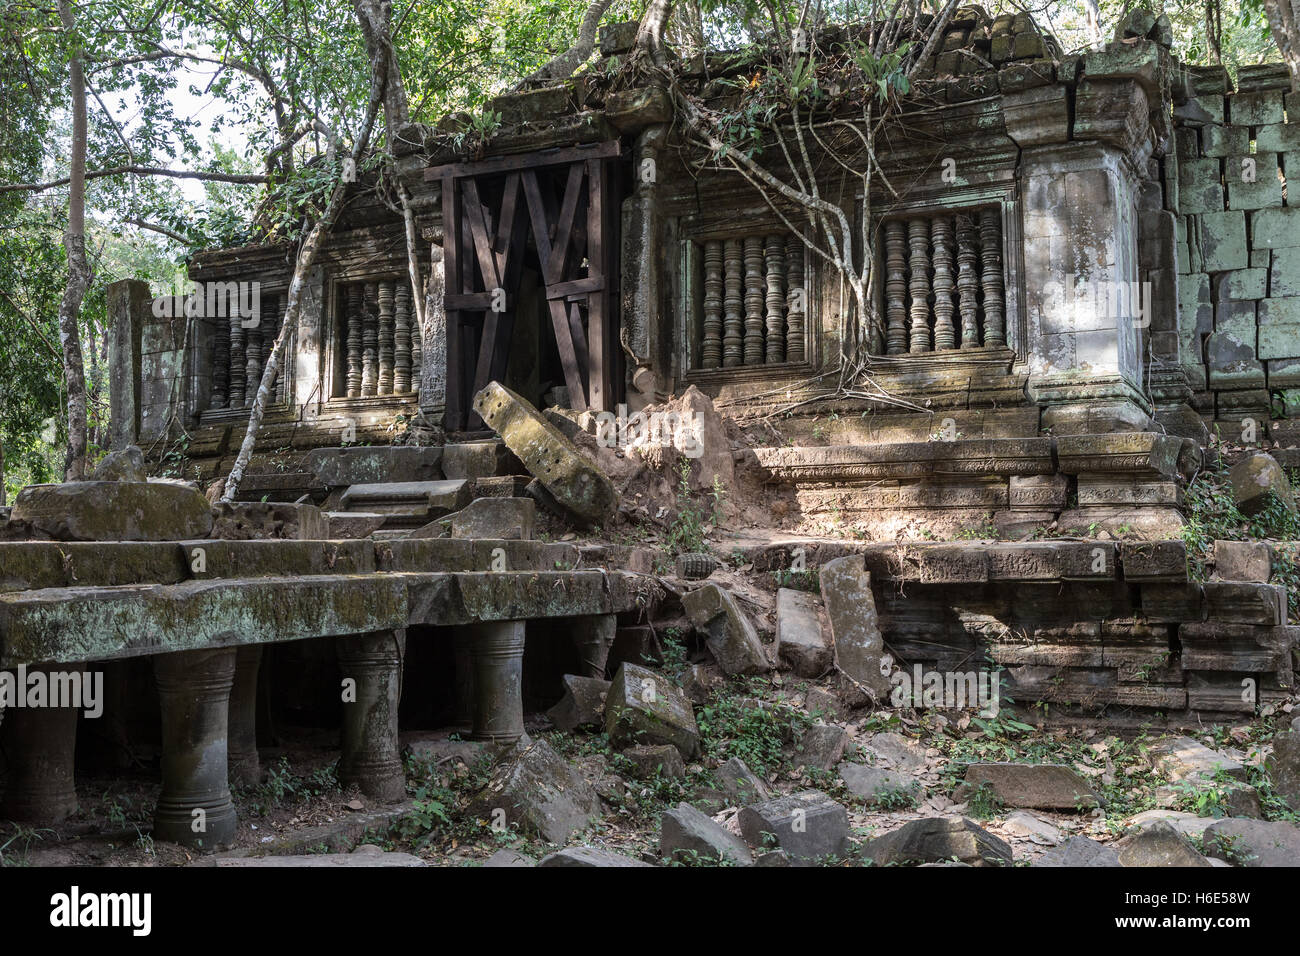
(194, 808)
(372, 757)
(245, 766)
(40, 744)
(498, 655)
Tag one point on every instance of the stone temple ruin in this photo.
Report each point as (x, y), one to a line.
(1091, 266)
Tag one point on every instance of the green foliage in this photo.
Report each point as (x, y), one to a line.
(285, 788)
(731, 726)
(690, 525)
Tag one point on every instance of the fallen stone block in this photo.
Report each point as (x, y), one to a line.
(1028, 826)
(800, 640)
(729, 635)
(1182, 758)
(807, 825)
(740, 784)
(589, 856)
(534, 789)
(1188, 824)
(429, 499)
(1254, 842)
(114, 511)
(686, 833)
(253, 520)
(1036, 786)
(698, 683)
(656, 759)
(644, 707)
(1158, 845)
(501, 519)
(821, 702)
(820, 746)
(583, 703)
(475, 459)
(856, 641)
(567, 475)
(936, 839)
(877, 786)
(1079, 851)
(1258, 479)
(897, 751)
(126, 464)
(1243, 561)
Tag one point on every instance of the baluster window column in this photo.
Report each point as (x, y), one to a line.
(376, 338)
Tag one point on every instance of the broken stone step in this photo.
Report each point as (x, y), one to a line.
(412, 499)
(375, 464)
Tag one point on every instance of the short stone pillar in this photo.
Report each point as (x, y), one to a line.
(127, 302)
(498, 654)
(371, 665)
(245, 766)
(194, 807)
(40, 744)
(593, 637)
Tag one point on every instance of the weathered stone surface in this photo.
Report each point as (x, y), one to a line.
(800, 640)
(248, 520)
(1079, 851)
(373, 464)
(896, 751)
(566, 474)
(1243, 561)
(876, 785)
(807, 825)
(1256, 480)
(114, 511)
(650, 760)
(820, 746)
(1037, 786)
(496, 518)
(124, 465)
(1158, 845)
(1029, 826)
(1284, 765)
(644, 707)
(740, 784)
(1182, 758)
(357, 858)
(589, 856)
(934, 839)
(1254, 842)
(1245, 602)
(855, 632)
(537, 791)
(473, 460)
(509, 858)
(730, 636)
(685, 832)
(583, 703)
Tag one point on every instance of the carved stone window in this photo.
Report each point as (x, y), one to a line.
(944, 286)
(242, 336)
(748, 301)
(377, 347)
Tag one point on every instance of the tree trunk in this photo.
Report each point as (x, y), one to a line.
(564, 65)
(1284, 22)
(74, 240)
(376, 20)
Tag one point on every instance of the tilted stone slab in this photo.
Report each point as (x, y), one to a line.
(644, 707)
(568, 476)
(730, 636)
(86, 624)
(1122, 452)
(340, 467)
(939, 838)
(536, 790)
(987, 456)
(497, 518)
(687, 833)
(855, 631)
(800, 640)
(115, 511)
(1036, 786)
(583, 703)
(590, 856)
